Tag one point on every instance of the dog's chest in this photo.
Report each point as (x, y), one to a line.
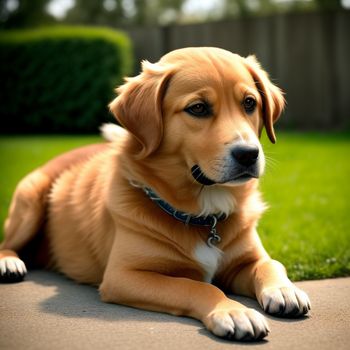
(209, 258)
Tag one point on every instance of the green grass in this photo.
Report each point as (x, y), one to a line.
(19, 155)
(307, 187)
(306, 184)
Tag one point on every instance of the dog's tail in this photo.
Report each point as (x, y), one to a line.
(112, 132)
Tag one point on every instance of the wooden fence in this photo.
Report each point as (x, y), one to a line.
(307, 55)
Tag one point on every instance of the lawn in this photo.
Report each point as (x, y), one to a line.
(306, 184)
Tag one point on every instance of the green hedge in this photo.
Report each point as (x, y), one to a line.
(60, 79)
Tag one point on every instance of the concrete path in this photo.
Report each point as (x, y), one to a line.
(48, 311)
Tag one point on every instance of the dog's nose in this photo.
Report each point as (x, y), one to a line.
(245, 154)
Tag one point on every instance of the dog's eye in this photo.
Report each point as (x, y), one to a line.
(249, 104)
(199, 110)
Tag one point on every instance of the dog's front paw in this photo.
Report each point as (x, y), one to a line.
(237, 324)
(285, 301)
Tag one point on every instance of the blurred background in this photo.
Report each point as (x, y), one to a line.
(303, 44)
(60, 61)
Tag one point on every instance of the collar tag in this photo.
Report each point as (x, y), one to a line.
(213, 237)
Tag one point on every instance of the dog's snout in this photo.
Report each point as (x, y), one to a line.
(245, 154)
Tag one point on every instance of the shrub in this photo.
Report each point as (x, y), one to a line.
(60, 79)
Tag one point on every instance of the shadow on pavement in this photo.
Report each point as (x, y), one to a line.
(76, 300)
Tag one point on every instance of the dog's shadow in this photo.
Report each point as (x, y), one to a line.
(74, 300)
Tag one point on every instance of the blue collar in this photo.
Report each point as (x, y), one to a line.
(188, 219)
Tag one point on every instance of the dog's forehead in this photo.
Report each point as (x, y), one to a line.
(199, 67)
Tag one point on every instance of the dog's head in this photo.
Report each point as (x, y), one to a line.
(206, 106)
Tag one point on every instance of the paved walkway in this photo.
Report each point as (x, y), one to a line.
(47, 311)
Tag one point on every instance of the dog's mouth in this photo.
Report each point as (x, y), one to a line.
(201, 178)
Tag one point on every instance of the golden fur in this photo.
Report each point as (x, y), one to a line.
(102, 229)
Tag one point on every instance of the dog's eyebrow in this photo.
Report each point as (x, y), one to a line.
(251, 91)
(248, 91)
(204, 94)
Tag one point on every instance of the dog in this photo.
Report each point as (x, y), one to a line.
(164, 217)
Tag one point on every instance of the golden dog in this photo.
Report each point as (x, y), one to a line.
(172, 204)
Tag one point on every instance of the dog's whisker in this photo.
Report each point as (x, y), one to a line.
(271, 160)
(271, 163)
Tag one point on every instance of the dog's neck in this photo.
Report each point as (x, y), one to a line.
(211, 201)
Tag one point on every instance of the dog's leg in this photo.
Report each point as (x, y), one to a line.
(267, 280)
(28, 209)
(26, 214)
(182, 296)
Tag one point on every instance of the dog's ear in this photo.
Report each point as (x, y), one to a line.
(272, 96)
(138, 107)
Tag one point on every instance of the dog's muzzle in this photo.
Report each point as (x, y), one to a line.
(241, 166)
